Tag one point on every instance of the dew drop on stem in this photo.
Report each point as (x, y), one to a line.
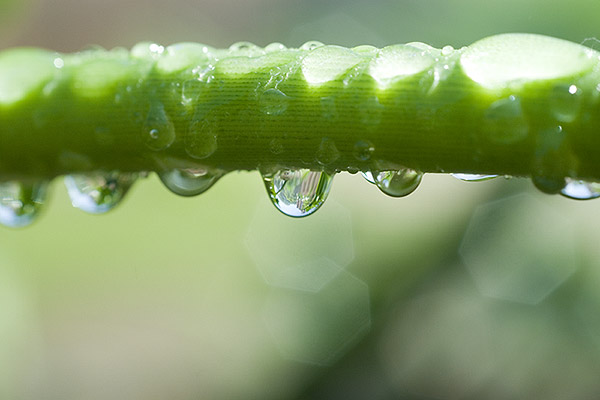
(190, 181)
(298, 193)
(20, 203)
(97, 193)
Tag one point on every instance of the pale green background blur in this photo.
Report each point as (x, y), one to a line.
(460, 291)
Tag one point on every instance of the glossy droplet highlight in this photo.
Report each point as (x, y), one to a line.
(474, 177)
(20, 203)
(363, 150)
(298, 193)
(158, 131)
(566, 102)
(99, 192)
(273, 102)
(201, 141)
(580, 190)
(190, 181)
(395, 183)
(505, 122)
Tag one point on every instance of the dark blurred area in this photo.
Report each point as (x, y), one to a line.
(459, 291)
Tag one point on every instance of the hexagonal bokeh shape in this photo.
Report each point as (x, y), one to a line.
(318, 327)
(303, 254)
(518, 249)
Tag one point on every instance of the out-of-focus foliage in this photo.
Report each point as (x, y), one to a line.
(480, 290)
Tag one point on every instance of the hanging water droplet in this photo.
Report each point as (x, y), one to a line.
(552, 161)
(368, 175)
(505, 122)
(311, 45)
(581, 190)
(395, 183)
(21, 203)
(298, 193)
(273, 102)
(98, 193)
(363, 150)
(190, 181)
(158, 131)
(201, 141)
(474, 177)
(566, 102)
(327, 152)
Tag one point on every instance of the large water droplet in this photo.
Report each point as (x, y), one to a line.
(363, 150)
(98, 193)
(566, 102)
(201, 141)
(273, 102)
(275, 46)
(447, 50)
(158, 131)
(246, 49)
(395, 183)
(581, 190)
(298, 193)
(189, 182)
(505, 122)
(21, 203)
(474, 177)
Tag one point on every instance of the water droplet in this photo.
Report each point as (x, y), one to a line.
(298, 193)
(98, 193)
(201, 141)
(328, 107)
(145, 50)
(366, 50)
(566, 102)
(247, 49)
(59, 62)
(158, 132)
(395, 183)
(190, 181)
(272, 47)
(370, 112)
(276, 146)
(474, 177)
(327, 152)
(190, 91)
(363, 150)
(505, 122)
(368, 175)
(311, 45)
(21, 203)
(273, 102)
(447, 50)
(581, 190)
(552, 161)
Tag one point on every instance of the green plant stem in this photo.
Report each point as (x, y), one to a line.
(507, 105)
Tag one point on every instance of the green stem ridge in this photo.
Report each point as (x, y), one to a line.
(513, 104)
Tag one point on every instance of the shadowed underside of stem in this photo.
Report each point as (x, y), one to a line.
(513, 104)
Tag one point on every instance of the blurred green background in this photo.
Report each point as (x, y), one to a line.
(460, 291)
